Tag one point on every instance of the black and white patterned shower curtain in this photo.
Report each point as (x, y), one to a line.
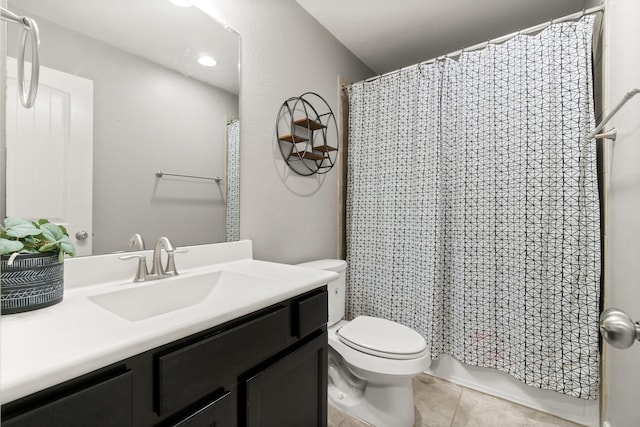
(472, 207)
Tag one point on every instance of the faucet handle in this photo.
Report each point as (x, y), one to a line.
(142, 272)
(171, 264)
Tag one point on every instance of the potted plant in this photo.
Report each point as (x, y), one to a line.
(31, 264)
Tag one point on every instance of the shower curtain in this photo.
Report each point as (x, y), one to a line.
(472, 207)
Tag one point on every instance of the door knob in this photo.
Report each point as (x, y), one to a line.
(82, 235)
(618, 328)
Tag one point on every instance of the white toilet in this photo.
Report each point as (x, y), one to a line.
(371, 360)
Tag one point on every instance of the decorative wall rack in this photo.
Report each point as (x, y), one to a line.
(307, 134)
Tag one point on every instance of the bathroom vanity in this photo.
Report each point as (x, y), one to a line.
(255, 355)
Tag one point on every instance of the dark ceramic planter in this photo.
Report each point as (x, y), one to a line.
(33, 281)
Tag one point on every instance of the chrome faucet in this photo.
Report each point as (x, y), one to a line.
(157, 270)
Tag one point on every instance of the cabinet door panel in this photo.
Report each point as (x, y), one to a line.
(216, 414)
(293, 391)
(107, 403)
(192, 372)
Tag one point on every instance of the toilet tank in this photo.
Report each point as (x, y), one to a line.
(336, 288)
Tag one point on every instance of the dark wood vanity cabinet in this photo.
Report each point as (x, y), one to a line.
(268, 368)
(103, 397)
(290, 392)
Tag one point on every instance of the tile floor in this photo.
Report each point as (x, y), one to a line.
(440, 403)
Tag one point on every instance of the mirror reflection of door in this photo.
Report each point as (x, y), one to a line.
(154, 107)
(51, 148)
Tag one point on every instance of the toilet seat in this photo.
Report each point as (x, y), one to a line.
(382, 338)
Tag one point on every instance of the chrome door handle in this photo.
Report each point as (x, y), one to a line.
(82, 235)
(618, 328)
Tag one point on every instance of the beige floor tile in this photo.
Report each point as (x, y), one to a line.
(435, 401)
(480, 410)
(335, 416)
(439, 403)
(354, 422)
(339, 418)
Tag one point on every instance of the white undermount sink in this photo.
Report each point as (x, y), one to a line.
(153, 298)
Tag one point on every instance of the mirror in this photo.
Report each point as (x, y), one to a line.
(122, 96)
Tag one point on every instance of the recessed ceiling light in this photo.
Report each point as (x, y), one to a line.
(181, 3)
(207, 61)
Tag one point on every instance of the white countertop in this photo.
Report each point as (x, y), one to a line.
(45, 347)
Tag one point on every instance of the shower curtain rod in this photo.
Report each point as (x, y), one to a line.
(498, 40)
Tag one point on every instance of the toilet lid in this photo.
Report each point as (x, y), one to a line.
(381, 337)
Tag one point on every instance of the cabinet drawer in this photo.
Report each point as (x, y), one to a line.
(107, 403)
(309, 314)
(217, 414)
(190, 373)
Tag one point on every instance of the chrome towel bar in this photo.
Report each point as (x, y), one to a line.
(28, 26)
(160, 174)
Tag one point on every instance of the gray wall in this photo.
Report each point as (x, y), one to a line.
(147, 117)
(285, 53)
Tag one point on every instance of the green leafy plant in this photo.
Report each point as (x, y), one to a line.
(23, 236)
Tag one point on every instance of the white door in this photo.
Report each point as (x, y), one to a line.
(50, 153)
(621, 74)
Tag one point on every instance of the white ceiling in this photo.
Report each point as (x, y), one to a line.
(387, 35)
(153, 29)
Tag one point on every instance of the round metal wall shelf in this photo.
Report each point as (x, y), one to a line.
(307, 134)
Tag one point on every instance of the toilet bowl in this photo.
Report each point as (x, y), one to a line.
(371, 360)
